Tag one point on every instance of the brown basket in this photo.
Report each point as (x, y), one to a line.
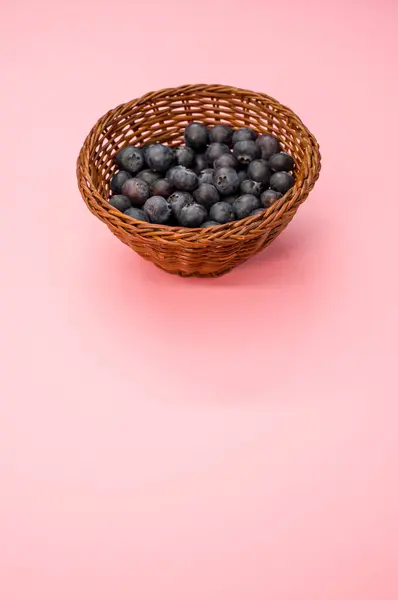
(162, 116)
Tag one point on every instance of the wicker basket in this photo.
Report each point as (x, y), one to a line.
(162, 116)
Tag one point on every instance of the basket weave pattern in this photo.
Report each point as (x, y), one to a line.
(161, 117)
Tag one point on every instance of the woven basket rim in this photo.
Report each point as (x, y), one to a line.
(242, 230)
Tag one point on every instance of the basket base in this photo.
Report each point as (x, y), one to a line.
(185, 267)
(181, 273)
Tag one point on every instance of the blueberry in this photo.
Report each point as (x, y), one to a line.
(281, 162)
(281, 182)
(157, 209)
(251, 187)
(231, 199)
(179, 199)
(162, 187)
(242, 174)
(268, 197)
(226, 181)
(130, 159)
(192, 215)
(258, 170)
(268, 145)
(205, 176)
(222, 212)
(118, 180)
(160, 157)
(221, 133)
(136, 213)
(200, 163)
(149, 176)
(243, 134)
(120, 202)
(137, 190)
(216, 150)
(245, 204)
(209, 224)
(256, 211)
(146, 147)
(246, 151)
(226, 160)
(196, 136)
(206, 194)
(183, 179)
(185, 156)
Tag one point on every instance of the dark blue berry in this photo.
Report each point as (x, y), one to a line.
(222, 212)
(226, 181)
(281, 162)
(146, 147)
(216, 150)
(179, 199)
(226, 160)
(251, 187)
(160, 157)
(246, 151)
(183, 179)
(162, 187)
(230, 199)
(268, 197)
(137, 190)
(268, 145)
(258, 170)
(185, 156)
(130, 159)
(136, 213)
(200, 163)
(245, 204)
(221, 133)
(196, 136)
(243, 134)
(242, 174)
(209, 224)
(281, 182)
(157, 209)
(120, 202)
(118, 180)
(206, 176)
(149, 176)
(256, 211)
(192, 215)
(206, 194)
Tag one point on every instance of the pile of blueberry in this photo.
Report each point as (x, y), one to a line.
(220, 175)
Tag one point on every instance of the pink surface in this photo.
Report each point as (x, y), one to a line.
(198, 440)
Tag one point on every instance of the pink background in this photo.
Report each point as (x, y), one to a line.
(199, 440)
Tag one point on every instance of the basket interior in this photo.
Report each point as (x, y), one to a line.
(163, 118)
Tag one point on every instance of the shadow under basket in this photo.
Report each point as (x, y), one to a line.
(162, 117)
